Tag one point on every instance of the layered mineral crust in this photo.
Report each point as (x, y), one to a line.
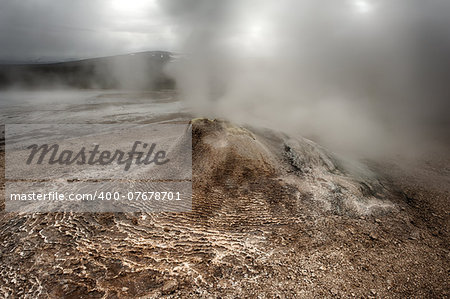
(271, 216)
(281, 169)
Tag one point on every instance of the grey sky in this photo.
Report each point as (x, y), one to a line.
(81, 28)
(86, 28)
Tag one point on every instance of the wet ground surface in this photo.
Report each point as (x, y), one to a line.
(93, 107)
(265, 223)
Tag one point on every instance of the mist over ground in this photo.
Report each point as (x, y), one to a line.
(365, 76)
(345, 195)
(136, 71)
(362, 76)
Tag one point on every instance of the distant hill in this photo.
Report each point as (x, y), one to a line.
(143, 71)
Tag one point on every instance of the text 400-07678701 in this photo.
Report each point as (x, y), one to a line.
(149, 195)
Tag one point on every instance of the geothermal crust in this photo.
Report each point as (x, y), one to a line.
(227, 156)
(271, 216)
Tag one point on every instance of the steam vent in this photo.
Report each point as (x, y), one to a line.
(271, 216)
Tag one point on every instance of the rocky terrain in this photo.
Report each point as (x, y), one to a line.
(272, 217)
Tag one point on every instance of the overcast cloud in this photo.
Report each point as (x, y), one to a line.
(31, 29)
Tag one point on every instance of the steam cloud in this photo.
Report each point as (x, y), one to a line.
(362, 75)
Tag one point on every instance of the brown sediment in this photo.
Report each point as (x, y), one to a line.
(271, 216)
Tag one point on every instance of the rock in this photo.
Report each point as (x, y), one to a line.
(169, 287)
(373, 236)
(234, 156)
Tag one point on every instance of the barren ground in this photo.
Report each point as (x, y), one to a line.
(247, 236)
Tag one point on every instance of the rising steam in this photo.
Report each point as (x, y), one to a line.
(359, 75)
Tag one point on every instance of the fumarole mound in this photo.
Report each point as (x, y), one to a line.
(268, 174)
(272, 216)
